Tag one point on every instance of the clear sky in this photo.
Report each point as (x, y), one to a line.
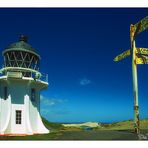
(77, 47)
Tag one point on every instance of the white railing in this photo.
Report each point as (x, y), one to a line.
(29, 73)
(44, 77)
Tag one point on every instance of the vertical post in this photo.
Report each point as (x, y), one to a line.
(46, 77)
(135, 83)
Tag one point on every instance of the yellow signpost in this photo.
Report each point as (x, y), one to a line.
(142, 60)
(138, 57)
(122, 55)
(139, 51)
(142, 50)
(141, 25)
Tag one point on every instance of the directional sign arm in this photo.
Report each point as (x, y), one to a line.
(142, 51)
(122, 55)
(141, 25)
(139, 51)
(142, 60)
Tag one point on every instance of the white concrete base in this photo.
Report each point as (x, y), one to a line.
(19, 98)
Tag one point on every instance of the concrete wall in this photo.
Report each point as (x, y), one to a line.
(19, 98)
(5, 109)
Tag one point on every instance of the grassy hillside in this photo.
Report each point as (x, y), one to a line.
(115, 131)
(125, 125)
(53, 127)
(89, 124)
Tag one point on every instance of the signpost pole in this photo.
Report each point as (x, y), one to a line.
(141, 59)
(135, 85)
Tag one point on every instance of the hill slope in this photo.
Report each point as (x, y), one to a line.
(125, 125)
(52, 126)
(115, 131)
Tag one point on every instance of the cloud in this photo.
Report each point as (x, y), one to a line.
(85, 81)
(57, 112)
(45, 111)
(61, 111)
(51, 101)
(49, 106)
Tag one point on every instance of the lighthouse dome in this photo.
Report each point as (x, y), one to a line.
(21, 56)
(21, 45)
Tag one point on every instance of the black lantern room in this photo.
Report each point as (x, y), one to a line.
(21, 57)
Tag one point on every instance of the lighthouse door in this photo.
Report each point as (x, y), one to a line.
(17, 122)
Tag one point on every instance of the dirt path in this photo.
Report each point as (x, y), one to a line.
(98, 135)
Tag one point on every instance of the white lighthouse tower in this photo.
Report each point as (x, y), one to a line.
(20, 86)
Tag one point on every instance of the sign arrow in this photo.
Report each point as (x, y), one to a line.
(122, 55)
(142, 60)
(139, 51)
(142, 50)
(141, 25)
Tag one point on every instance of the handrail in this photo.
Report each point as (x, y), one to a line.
(20, 69)
(34, 74)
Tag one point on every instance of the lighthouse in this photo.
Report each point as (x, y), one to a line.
(20, 85)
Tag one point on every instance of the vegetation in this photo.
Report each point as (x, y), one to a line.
(115, 131)
(53, 127)
(125, 125)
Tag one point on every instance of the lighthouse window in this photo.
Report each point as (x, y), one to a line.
(18, 116)
(5, 93)
(32, 94)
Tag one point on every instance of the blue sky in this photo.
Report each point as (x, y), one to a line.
(77, 47)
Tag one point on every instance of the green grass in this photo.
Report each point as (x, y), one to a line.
(98, 135)
(115, 131)
(50, 136)
(125, 125)
(52, 126)
(55, 129)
